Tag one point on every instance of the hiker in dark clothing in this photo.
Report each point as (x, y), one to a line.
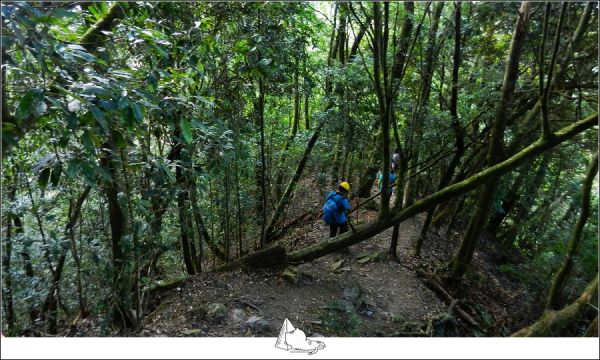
(335, 209)
(396, 160)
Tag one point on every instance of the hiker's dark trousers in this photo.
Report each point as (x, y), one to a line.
(333, 229)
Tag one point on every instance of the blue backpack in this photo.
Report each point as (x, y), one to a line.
(330, 208)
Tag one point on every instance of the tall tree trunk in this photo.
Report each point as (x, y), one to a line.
(400, 57)
(411, 188)
(560, 278)
(296, 117)
(285, 199)
(465, 251)
(7, 288)
(119, 233)
(545, 90)
(306, 92)
(261, 169)
(508, 203)
(182, 201)
(33, 311)
(73, 219)
(382, 90)
(292, 134)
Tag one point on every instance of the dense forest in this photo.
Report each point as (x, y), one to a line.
(165, 167)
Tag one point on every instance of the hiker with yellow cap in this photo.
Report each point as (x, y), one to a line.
(335, 208)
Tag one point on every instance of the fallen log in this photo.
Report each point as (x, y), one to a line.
(266, 258)
(168, 284)
(434, 284)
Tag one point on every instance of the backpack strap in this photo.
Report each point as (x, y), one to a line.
(332, 197)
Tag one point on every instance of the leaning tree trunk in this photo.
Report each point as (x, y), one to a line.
(484, 199)
(292, 134)
(558, 282)
(291, 187)
(552, 322)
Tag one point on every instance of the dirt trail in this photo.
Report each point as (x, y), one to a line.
(391, 293)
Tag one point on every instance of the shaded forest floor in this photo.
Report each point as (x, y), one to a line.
(343, 294)
(390, 294)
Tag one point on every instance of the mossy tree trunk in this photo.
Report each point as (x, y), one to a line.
(552, 322)
(561, 275)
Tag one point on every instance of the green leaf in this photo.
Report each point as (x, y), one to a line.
(95, 90)
(127, 118)
(186, 130)
(58, 12)
(89, 175)
(73, 168)
(120, 141)
(166, 171)
(242, 46)
(72, 121)
(138, 112)
(85, 56)
(87, 142)
(108, 105)
(32, 104)
(99, 115)
(264, 63)
(104, 175)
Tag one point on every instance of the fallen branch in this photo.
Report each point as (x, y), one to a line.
(302, 218)
(434, 284)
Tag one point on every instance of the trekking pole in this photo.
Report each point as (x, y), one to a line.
(351, 226)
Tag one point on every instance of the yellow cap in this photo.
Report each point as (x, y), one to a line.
(345, 185)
